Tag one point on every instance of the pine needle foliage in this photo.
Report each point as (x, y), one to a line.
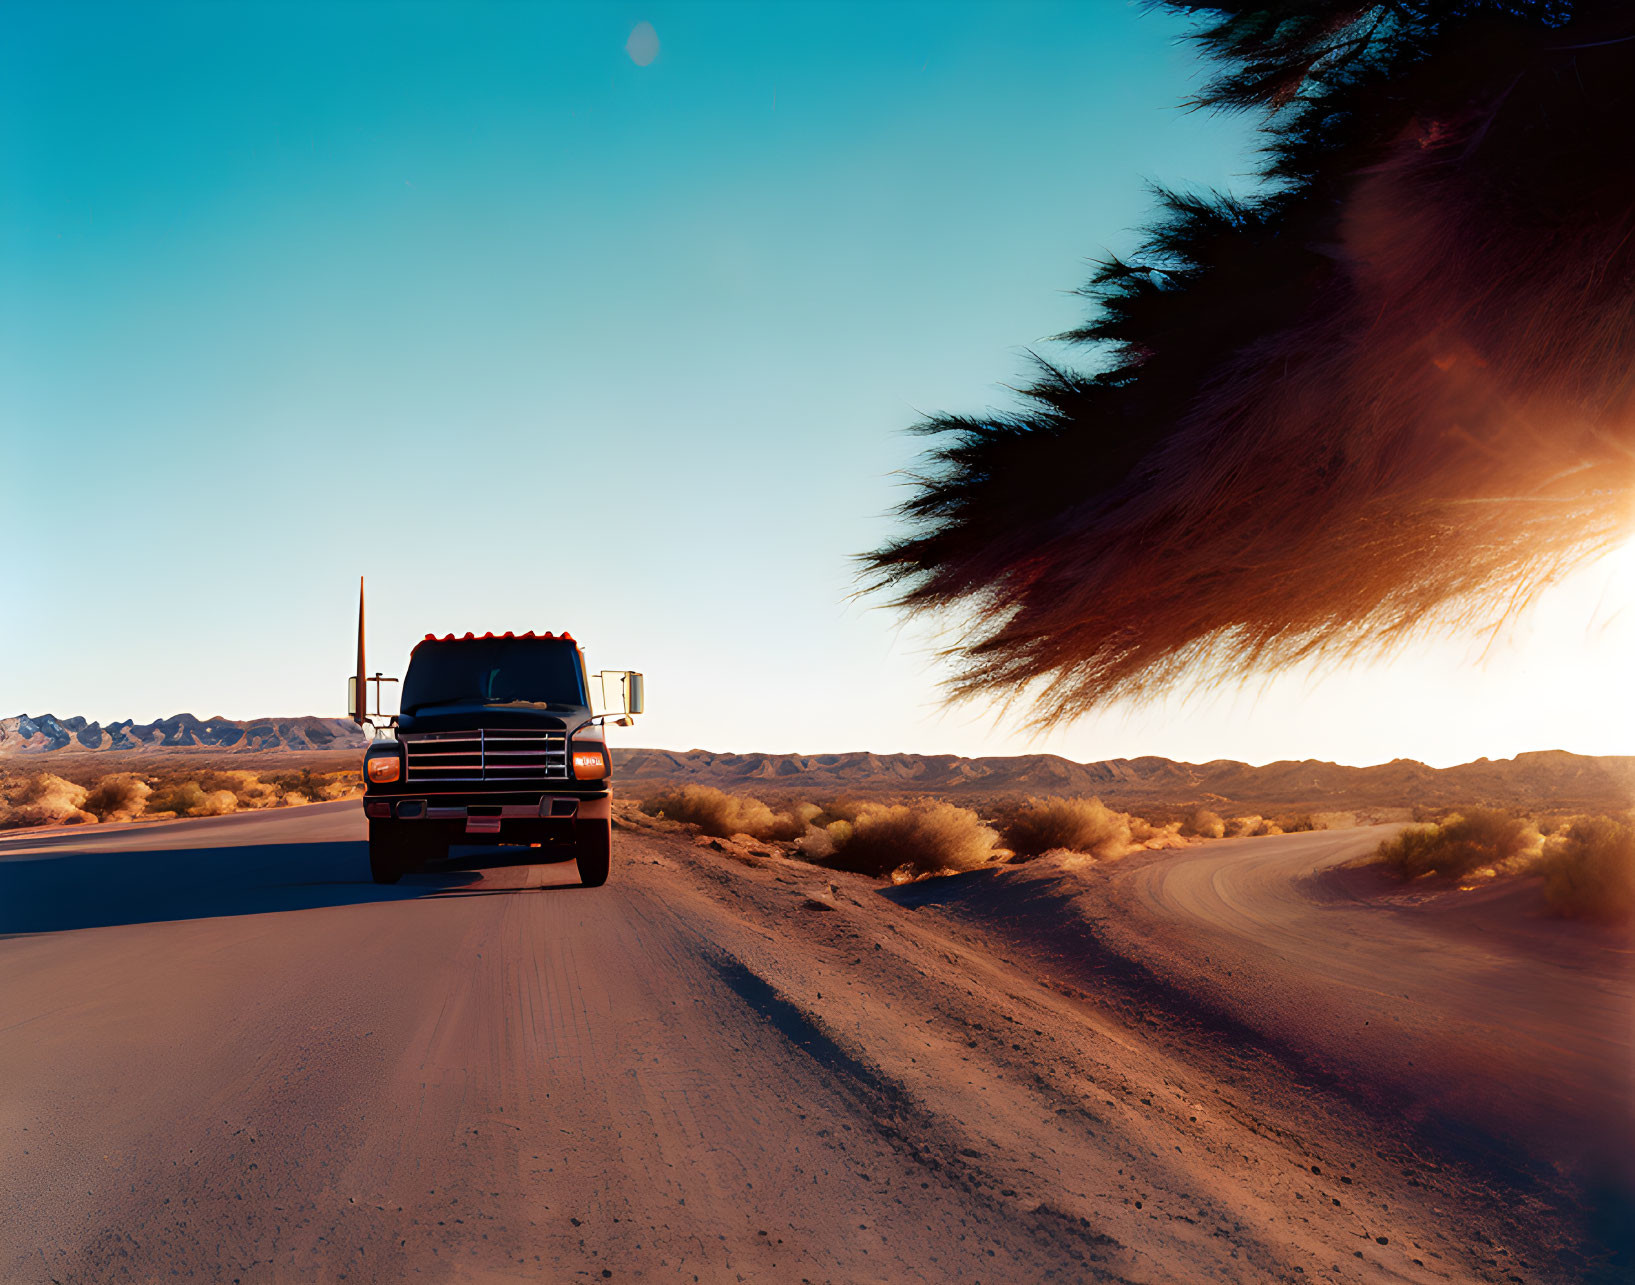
(1392, 389)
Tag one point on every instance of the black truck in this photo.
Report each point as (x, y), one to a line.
(495, 742)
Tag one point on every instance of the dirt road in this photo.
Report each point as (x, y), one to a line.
(226, 1057)
(1468, 1006)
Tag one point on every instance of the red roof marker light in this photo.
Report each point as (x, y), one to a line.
(491, 636)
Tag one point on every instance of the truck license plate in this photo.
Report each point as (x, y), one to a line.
(482, 825)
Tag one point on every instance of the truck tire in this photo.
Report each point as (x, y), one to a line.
(593, 850)
(393, 854)
(384, 863)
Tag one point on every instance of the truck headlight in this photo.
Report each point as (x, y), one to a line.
(589, 765)
(383, 768)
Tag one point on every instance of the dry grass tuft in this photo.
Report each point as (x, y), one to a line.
(1482, 838)
(1073, 825)
(292, 788)
(120, 797)
(715, 812)
(906, 841)
(44, 799)
(1204, 824)
(1253, 826)
(249, 791)
(1589, 870)
(839, 810)
(180, 798)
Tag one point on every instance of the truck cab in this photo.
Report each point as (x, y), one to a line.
(496, 742)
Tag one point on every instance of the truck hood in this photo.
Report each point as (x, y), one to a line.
(462, 717)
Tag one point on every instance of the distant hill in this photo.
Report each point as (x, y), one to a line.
(45, 734)
(1551, 778)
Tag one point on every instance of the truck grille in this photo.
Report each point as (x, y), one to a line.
(496, 756)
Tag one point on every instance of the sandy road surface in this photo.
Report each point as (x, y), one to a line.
(226, 1057)
(1492, 1031)
(1468, 1007)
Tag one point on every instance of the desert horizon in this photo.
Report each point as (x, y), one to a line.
(49, 734)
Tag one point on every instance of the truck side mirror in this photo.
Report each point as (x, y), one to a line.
(630, 692)
(357, 707)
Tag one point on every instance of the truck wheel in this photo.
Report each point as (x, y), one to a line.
(392, 854)
(593, 848)
(383, 863)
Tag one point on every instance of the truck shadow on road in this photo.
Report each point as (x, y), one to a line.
(54, 891)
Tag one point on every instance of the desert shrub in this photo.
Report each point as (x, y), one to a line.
(1411, 852)
(795, 821)
(713, 811)
(1255, 826)
(247, 788)
(1589, 870)
(291, 789)
(121, 797)
(1204, 824)
(906, 840)
(1077, 825)
(716, 812)
(180, 798)
(847, 810)
(823, 839)
(217, 803)
(1482, 837)
(256, 793)
(44, 799)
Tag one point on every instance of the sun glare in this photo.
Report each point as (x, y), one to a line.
(1584, 630)
(1555, 675)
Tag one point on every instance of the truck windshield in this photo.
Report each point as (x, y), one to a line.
(494, 671)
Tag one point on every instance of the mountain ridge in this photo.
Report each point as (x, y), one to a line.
(1541, 778)
(46, 733)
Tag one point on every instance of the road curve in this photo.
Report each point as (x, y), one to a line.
(1472, 1007)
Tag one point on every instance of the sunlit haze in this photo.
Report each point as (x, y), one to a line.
(607, 320)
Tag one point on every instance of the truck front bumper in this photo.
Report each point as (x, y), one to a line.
(475, 818)
(442, 808)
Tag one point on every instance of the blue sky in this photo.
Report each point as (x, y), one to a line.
(459, 297)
